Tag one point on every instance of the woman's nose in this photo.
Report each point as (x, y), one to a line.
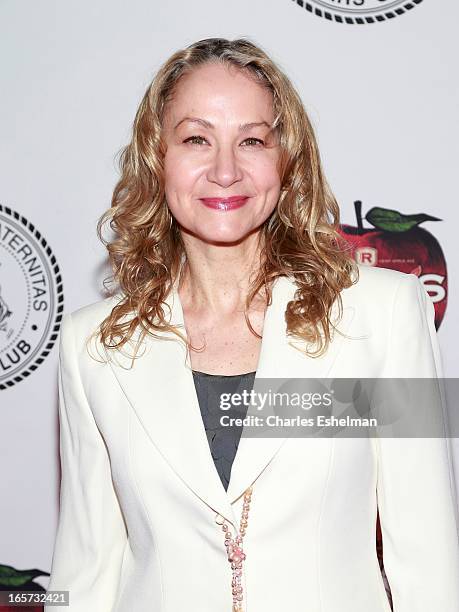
(225, 168)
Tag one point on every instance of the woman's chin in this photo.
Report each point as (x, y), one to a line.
(229, 234)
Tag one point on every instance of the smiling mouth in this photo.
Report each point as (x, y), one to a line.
(225, 203)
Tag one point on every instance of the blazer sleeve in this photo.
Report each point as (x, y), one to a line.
(415, 483)
(91, 534)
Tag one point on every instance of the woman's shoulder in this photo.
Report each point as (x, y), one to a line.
(92, 311)
(85, 320)
(380, 285)
(383, 298)
(371, 286)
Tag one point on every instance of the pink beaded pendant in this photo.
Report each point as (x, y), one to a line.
(235, 552)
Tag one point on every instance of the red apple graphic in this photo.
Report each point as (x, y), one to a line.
(396, 241)
(20, 581)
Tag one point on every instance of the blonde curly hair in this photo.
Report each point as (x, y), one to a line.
(300, 239)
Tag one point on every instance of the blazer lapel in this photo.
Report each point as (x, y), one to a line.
(160, 389)
(280, 358)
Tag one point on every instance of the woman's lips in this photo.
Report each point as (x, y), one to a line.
(225, 203)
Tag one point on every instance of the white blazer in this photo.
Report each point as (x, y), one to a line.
(140, 494)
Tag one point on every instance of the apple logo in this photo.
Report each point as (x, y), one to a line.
(18, 584)
(397, 241)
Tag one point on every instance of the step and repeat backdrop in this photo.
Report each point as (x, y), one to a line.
(378, 78)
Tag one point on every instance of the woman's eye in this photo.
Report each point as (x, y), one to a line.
(256, 140)
(194, 138)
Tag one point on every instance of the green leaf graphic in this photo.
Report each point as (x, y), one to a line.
(394, 221)
(11, 577)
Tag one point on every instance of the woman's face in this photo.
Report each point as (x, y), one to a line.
(219, 146)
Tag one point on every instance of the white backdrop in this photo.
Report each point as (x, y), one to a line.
(382, 97)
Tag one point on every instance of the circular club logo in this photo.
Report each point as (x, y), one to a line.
(358, 11)
(31, 298)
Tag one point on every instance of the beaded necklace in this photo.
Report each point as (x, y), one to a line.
(235, 551)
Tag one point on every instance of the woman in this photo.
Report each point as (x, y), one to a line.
(229, 264)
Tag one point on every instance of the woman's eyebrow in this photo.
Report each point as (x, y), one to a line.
(242, 128)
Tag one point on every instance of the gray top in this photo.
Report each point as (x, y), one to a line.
(223, 440)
